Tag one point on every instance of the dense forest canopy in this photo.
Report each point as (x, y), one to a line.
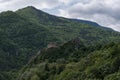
(27, 31)
(75, 62)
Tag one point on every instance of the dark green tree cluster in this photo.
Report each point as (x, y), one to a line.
(26, 31)
(67, 63)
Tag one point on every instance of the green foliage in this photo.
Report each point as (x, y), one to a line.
(97, 64)
(28, 30)
(67, 29)
(114, 76)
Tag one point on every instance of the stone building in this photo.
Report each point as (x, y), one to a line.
(52, 44)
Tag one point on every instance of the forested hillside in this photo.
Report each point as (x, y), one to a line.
(67, 29)
(26, 31)
(73, 61)
(19, 39)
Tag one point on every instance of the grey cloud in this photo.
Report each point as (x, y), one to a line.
(96, 7)
(16, 4)
(4, 1)
(104, 12)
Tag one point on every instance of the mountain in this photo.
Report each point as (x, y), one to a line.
(19, 37)
(68, 29)
(74, 61)
(26, 31)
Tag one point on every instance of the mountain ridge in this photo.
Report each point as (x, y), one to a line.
(54, 23)
(66, 62)
(24, 32)
(71, 19)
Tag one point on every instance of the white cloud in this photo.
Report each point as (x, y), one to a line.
(65, 1)
(105, 12)
(16, 4)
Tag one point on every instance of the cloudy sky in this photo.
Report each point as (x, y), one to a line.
(104, 12)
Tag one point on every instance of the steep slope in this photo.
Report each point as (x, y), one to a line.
(61, 55)
(65, 62)
(68, 29)
(26, 31)
(19, 39)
